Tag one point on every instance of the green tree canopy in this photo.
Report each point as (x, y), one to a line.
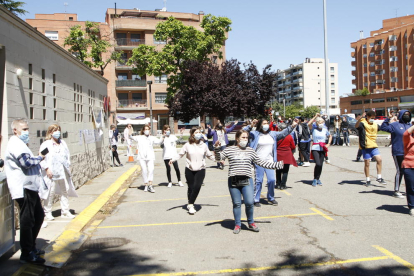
(362, 92)
(310, 111)
(14, 6)
(89, 45)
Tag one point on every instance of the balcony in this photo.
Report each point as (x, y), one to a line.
(132, 104)
(288, 82)
(297, 80)
(128, 43)
(353, 63)
(122, 65)
(131, 85)
(354, 81)
(287, 89)
(299, 95)
(281, 85)
(297, 88)
(297, 73)
(353, 54)
(353, 72)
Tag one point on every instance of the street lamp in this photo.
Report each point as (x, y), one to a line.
(150, 98)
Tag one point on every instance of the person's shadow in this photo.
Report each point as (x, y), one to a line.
(399, 209)
(197, 207)
(229, 224)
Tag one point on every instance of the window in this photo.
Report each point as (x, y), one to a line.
(393, 48)
(54, 91)
(43, 74)
(136, 77)
(378, 53)
(373, 83)
(55, 115)
(380, 81)
(356, 102)
(365, 74)
(135, 37)
(380, 72)
(52, 35)
(161, 79)
(332, 69)
(214, 60)
(31, 113)
(74, 86)
(393, 69)
(392, 99)
(122, 76)
(379, 42)
(365, 84)
(43, 87)
(44, 101)
(364, 55)
(371, 64)
(392, 37)
(160, 97)
(378, 100)
(54, 103)
(332, 100)
(364, 46)
(332, 77)
(367, 101)
(371, 44)
(371, 54)
(70, 18)
(365, 65)
(30, 83)
(159, 41)
(54, 78)
(31, 98)
(372, 74)
(30, 69)
(44, 114)
(332, 85)
(394, 79)
(393, 58)
(332, 92)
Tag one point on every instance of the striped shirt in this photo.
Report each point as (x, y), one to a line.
(241, 160)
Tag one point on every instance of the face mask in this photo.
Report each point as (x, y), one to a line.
(371, 121)
(56, 134)
(265, 127)
(320, 126)
(24, 136)
(198, 136)
(220, 127)
(202, 130)
(406, 118)
(254, 128)
(243, 144)
(146, 132)
(168, 133)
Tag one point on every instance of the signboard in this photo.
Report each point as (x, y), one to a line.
(373, 109)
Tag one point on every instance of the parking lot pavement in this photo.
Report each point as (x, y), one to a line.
(340, 228)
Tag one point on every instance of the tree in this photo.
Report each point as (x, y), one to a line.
(183, 43)
(310, 111)
(89, 45)
(363, 92)
(14, 6)
(221, 91)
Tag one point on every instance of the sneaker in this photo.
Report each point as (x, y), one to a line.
(180, 184)
(39, 252)
(237, 229)
(319, 182)
(151, 189)
(257, 204)
(398, 195)
(306, 164)
(381, 181)
(300, 164)
(368, 183)
(222, 167)
(120, 165)
(254, 227)
(44, 224)
(32, 258)
(343, 145)
(327, 161)
(358, 160)
(170, 185)
(412, 212)
(146, 188)
(273, 202)
(347, 145)
(49, 216)
(191, 209)
(314, 183)
(67, 215)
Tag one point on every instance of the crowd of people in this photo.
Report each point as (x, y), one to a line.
(262, 147)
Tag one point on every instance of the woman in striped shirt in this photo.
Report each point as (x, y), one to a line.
(241, 159)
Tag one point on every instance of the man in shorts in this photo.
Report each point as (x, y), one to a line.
(368, 131)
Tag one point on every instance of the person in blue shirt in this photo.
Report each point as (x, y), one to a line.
(319, 146)
(397, 127)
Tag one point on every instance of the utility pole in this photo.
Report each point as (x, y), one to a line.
(325, 31)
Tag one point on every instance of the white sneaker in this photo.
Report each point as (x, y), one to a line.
(343, 144)
(306, 164)
(398, 195)
(169, 185)
(327, 161)
(191, 209)
(44, 224)
(151, 189)
(180, 183)
(49, 216)
(146, 188)
(67, 215)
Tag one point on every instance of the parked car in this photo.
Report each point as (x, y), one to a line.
(351, 121)
(238, 126)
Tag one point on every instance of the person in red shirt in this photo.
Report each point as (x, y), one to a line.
(285, 147)
(408, 167)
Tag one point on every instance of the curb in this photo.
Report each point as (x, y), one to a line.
(59, 251)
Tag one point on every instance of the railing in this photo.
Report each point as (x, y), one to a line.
(129, 41)
(136, 83)
(299, 95)
(132, 103)
(288, 82)
(297, 88)
(288, 89)
(280, 85)
(297, 80)
(297, 73)
(122, 63)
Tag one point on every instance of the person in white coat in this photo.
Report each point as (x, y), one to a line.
(146, 156)
(169, 146)
(56, 173)
(127, 136)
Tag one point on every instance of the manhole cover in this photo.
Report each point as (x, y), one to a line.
(103, 243)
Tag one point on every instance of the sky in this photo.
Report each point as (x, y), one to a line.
(276, 32)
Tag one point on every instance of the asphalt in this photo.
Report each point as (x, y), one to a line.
(340, 228)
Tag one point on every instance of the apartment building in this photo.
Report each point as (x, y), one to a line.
(128, 28)
(305, 84)
(384, 60)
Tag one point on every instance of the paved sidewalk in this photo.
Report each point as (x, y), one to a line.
(9, 263)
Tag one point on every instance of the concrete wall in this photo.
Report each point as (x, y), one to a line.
(58, 89)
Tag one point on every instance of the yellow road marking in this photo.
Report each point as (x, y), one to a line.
(322, 214)
(317, 213)
(177, 199)
(293, 266)
(394, 257)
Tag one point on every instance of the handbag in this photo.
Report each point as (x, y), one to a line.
(239, 181)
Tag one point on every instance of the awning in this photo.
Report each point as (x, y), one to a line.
(124, 116)
(135, 121)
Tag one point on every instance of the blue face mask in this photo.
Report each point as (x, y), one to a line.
(24, 136)
(56, 134)
(198, 136)
(265, 127)
(168, 133)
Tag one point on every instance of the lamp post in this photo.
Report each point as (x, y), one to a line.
(325, 35)
(150, 98)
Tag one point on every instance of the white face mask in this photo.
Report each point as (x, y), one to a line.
(320, 126)
(198, 136)
(243, 144)
(371, 121)
(168, 133)
(146, 132)
(265, 127)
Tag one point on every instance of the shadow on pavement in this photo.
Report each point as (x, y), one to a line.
(229, 224)
(306, 182)
(301, 265)
(198, 207)
(107, 257)
(360, 182)
(400, 209)
(379, 192)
